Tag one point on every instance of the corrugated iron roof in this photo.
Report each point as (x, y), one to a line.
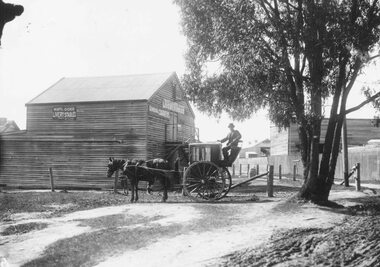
(94, 89)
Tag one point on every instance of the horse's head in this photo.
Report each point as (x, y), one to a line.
(114, 165)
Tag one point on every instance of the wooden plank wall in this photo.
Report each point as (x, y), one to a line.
(369, 159)
(360, 131)
(124, 121)
(156, 134)
(285, 142)
(93, 119)
(75, 163)
(287, 163)
(279, 141)
(77, 150)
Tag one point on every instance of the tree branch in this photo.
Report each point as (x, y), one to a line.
(372, 58)
(356, 68)
(363, 103)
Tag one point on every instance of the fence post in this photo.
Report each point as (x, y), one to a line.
(294, 172)
(257, 169)
(115, 182)
(270, 181)
(233, 170)
(279, 172)
(358, 177)
(240, 171)
(248, 171)
(51, 179)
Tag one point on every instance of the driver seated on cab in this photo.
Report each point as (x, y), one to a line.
(232, 139)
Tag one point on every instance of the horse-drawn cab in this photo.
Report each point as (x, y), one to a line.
(212, 151)
(207, 176)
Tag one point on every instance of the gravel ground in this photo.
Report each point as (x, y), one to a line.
(84, 228)
(354, 242)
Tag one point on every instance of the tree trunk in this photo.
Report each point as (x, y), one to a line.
(313, 186)
(304, 134)
(334, 156)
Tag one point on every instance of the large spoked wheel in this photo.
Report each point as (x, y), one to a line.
(205, 180)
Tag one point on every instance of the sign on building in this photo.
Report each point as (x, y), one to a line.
(160, 112)
(64, 113)
(173, 106)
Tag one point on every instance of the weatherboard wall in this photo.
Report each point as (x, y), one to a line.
(25, 161)
(286, 141)
(124, 119)
(77, 149)
(168, 103)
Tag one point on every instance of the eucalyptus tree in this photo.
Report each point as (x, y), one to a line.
(288, 56)
(7, 13)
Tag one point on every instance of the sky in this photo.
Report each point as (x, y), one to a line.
(54, 39)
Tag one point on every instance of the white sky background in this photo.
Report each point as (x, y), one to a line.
(54, 39)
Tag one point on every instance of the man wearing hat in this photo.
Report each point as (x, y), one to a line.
(232, 139)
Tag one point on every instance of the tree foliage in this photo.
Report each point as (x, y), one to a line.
(7, 13)
(284, 55)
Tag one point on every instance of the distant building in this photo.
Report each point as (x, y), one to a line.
(286, 142)
(7, 126)
(261, 149)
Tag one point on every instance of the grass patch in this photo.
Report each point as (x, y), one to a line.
(91, 248)
(23, 228)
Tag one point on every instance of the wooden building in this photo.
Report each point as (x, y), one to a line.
(7, 126)
(76, 124)
(261, 149)
(286, 142)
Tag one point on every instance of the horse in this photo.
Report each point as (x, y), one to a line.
(135, 174)
(160, 164)
(117, 164)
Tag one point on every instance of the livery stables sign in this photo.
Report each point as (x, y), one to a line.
(173, 106)
(64, 113)
(160, 112)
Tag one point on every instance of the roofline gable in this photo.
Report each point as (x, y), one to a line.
(43, 92)
(183, 93)
(150, 92)
(175, 76)
(84, 102)
(160, 87)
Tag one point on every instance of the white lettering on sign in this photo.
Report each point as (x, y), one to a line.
(64, 113)
(173, 106)
(160, 112)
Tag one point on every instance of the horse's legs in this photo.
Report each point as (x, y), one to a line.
(165, 185)
(125, 185)
(137, 189)
(149, 187)
(136, 183)
(133, 188)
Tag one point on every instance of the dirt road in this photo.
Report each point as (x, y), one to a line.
(152, 234)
